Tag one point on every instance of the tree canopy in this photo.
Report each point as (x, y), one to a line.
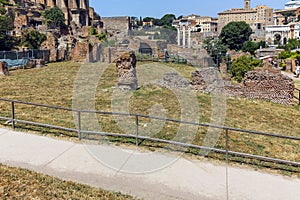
(55, 15)
(234, 34)
(6, 25)
(33, 39)
(215, 48)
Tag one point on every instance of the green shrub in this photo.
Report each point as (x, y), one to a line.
(242, 65)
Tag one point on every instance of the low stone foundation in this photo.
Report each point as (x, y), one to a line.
(4, 68)
(126, 68)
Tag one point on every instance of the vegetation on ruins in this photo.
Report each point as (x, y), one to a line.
(242, 65)
(215, 48)
(6, 24)
(33, 39)
(291, 44)
(54, 15)
(251, 47)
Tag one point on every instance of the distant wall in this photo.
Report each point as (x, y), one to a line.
(116, 24)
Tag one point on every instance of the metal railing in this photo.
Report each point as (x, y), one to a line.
(26, 54)
(138, 137)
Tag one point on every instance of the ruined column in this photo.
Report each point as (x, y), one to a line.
(127, 79)
(189, 37)
(183, 36)
(178, 35)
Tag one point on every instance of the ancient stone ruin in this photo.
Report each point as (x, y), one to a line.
(4, 68)
(126, 68)
(264, 84)
(173, 80)
(207, 80)
(268, 85)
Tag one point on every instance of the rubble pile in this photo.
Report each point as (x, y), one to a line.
(268, 85)
(207, 80)
(173, 80)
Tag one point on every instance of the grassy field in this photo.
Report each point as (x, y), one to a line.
(54, 85)
(24, 184)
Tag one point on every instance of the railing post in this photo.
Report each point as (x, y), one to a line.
(227, 181)
(13, 114)
(227, 145)
(298, 97)
(79, 124)
(136, 130)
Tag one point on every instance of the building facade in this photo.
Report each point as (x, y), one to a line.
(286, 24)
(258, 18)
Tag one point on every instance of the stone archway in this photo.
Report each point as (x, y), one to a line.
(277, 38)
(284, 41)
(145, 48)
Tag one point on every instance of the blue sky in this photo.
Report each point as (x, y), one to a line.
(157, 8)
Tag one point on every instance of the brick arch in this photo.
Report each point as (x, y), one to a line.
(145, 48)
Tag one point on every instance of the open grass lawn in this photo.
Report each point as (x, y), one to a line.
(55, 83)
(19, 183)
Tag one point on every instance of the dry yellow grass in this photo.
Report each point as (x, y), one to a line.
(53, 85)
(19, 183)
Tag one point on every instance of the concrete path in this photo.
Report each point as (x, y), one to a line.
(142, 174)
(291, 75)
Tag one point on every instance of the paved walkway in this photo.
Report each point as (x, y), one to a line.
(291, 75)
(139, 173)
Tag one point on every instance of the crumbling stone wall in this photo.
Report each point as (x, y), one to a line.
(207, 80)
(126, 68)
(268, 85)
(117, 24)
(51, 44)
(264, 84)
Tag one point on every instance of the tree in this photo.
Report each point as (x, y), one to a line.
(242, 65)
(292, 44)
(55, 15)
(6, 41)
(215, 48)
(167, 20)
(4, 2)
(33, 39)
(234, 34)
(251, 47)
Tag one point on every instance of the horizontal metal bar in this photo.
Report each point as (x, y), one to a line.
(264, 158)
(197, 147)
(36, 104)
(157, 139)
(158, 118)
(45, 125)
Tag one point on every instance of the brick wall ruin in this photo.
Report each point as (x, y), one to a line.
(265, 85)
(117, 24)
